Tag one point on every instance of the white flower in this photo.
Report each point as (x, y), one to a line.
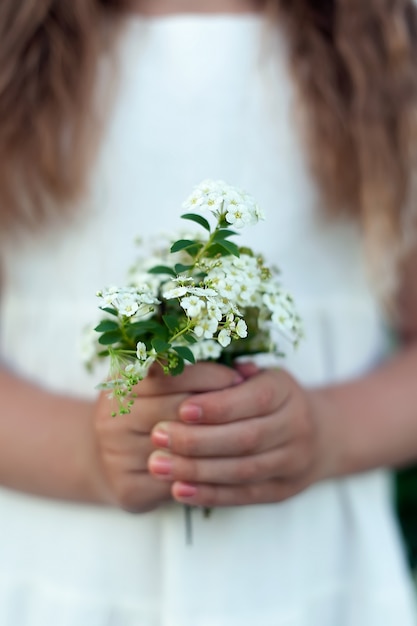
(127, 301)
(206, 195)
(194, 200)
(228, 288)
(141, 351)
(238, 215)
(109, 294)
(241, 329)
(192, 305)
(145, 295)
(208, 349)
(126, 305)
(205, 292)
(139, 369)
(224, 338)
(213, 310)
(212, 202)
(206, 327)
(176, 292)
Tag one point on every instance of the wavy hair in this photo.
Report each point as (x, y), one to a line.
(49, 51)
(355, 65)
(354, 62)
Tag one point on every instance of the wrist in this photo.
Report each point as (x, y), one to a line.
(337, 453)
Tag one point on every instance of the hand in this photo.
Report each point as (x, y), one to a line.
(123, 443)
(253, 443)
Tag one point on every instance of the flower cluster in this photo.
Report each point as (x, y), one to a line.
(202, 298)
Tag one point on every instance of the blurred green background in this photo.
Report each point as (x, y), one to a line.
(406, 505)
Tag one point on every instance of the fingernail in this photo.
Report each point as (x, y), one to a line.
(185, 490)
(248, 369)
(161, 464)
(237, 379)
(160, 438)
(191, 413)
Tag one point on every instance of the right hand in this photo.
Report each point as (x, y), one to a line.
(123, 443)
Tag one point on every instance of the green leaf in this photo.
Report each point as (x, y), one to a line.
(138, 329)
(171, 322)
(113, 336)
(109, 310)
(189, 338)
(162, 269)
(182, 244)
(230, 247)
(180, 268)
(198, 219)
(106, 325)
(185, 353)
(194, 249)
(222, 234)
(160, 345)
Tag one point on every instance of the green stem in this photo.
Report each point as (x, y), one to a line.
(208, 243)
(180, 333)
(125, 336)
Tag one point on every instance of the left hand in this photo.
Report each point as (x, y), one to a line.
(256, 442)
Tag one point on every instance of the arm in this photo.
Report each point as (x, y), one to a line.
(372, 421)
(377, 415)
(66, 448)
(46, 442)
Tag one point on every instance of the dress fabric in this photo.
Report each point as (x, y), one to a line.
(198, 97)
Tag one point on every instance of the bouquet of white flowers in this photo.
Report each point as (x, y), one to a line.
(200, 297)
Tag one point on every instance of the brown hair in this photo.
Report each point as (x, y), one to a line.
(356, 69)
(355, 64)
(48, 59)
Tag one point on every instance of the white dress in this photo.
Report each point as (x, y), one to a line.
(196, 99)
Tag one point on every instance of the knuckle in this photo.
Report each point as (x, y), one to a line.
(245, 470)
(264, 398)
(248, 439)
(195, 471)
(215, 411)
(185, 442)
(263, 466)
(294, 462)
(287, 462)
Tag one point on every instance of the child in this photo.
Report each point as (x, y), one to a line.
(289, 459)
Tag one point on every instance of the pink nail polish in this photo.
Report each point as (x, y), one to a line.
(161, 465)
(160, 439)
(185, 490)
(191, 413)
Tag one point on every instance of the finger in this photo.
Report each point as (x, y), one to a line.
(127, 454)
(244, 437)
(233, 471)
(261, 394)
(203, 376)
(210, 496)
(140, 492)
(148, 411)
(144, 414)
(247, 369)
